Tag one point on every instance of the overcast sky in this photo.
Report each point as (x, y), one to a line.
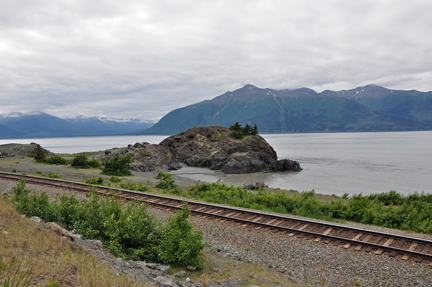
(142, 59)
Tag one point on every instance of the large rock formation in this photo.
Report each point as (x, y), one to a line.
(213, 147)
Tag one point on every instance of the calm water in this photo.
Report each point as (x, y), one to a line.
(333, 163)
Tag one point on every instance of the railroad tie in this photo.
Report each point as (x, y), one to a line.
(364, 240)
(324, 233)
(387, 243)
(346, 246)
(320, 229)
(378, 239)
(411, 248)
(399, 245)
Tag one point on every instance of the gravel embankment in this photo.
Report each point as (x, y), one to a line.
(301, 260)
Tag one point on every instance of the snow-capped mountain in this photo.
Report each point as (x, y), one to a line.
(38, 124)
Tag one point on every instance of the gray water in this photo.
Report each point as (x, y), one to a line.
(333, 163)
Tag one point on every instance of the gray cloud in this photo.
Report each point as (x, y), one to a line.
(142, 59)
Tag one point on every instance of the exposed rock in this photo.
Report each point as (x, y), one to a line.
(148, 157)
(180, 274)
(18, 150)
(213, 147)
(165, 269)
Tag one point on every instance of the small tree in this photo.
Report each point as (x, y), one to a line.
(180, 243)
(254, 130)
(39, 153)
(118, 166)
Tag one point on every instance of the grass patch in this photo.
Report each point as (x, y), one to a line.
(41, 256)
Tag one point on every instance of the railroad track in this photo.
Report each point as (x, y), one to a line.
(347, 237)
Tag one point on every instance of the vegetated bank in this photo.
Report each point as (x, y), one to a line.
(126, 230)
(390, 209)
(32, 256)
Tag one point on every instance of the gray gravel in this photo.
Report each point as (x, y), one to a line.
(302, 261)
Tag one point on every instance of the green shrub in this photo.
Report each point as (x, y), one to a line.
(138, 186)
(95, 180)
(55, 159)
(166, 181)
(80, 161)
(118, 166)
(126, 230)
(14, 170)
(180, 243)
(115, 179)
(40, 172)
(53, 175)
(94, 163)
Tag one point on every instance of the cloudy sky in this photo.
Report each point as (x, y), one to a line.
(142, 59)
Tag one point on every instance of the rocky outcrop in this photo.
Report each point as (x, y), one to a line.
(147, 157)
(213, 147)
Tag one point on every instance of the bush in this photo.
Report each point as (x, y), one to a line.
(166, 181)
(94, 163)
(55, 159)
(138, 186)
(180, 243)
(118, 166)
(126, 230)
(80, 160)
(95, 180)
(53, 175)
(115, 179)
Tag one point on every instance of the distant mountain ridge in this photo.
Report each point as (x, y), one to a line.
(37, 125)
(369, 108)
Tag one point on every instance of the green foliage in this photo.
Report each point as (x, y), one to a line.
(166, 181)
(14, 277)
(40, 172)
(180, 243)
(55, 159)
(53, 175)
(54, 283)
(14, 170)
(390, 209)
(95, 180)
(39, 153)
(118, 166)
(138, 186)
(94, 163)
(80, 161)
(126, 230)
(115, 179)
(240, 132)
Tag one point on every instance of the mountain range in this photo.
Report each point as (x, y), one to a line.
(368, 108)
(38, 125)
